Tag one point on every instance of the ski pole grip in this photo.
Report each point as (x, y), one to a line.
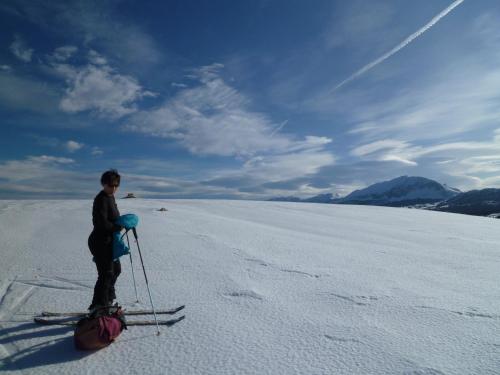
(135, 232)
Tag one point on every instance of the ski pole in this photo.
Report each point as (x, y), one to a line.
(132, 266)
(147, 284)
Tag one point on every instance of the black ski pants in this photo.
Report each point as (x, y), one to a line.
(107, 273)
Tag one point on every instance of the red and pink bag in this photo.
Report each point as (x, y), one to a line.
(98, 331)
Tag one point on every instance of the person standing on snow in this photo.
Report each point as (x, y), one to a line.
(100, 242)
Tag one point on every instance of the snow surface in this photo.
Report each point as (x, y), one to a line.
(270, 288)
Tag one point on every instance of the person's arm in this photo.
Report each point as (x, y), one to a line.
(101, 217)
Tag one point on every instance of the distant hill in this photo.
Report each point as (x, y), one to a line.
(401, 191)
(485, 202)
(322, 198)
(417, 192)
(286, 199)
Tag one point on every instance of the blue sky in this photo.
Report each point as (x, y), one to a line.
(247, 99)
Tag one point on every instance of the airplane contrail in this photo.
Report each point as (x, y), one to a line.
(401, 45)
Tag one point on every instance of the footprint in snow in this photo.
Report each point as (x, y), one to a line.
(357, 300)
(245, 294)
(341, 339)
(258, 261)
(300, 273)
(424, 371)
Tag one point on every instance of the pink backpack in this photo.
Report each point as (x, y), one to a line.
(100, 330)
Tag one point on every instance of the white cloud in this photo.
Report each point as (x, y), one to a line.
(20, 49)
(181, 85)
(446, 100)
(214, 118)
(358, 23)
(398, 159)
(482, 164)
(53, 142)
(471, 164)
(26, 94)
(437, 122)
(100, 89)
(490, 182)
(211, 118)
(369, 148)
(72, 146)
(96, 151)
(45, 159)
(92, 22)
(45, 176)
(386, 150)
(96, 59)
(286, 166)
(63, 53)
(400, 46)
(33, 167)
(379, 150)
(5, 68)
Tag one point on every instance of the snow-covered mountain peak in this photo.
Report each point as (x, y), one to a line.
(403, 190)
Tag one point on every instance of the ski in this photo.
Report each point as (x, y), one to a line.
(60, 322)
(125, 312)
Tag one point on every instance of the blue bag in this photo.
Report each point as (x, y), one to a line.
(128, 222)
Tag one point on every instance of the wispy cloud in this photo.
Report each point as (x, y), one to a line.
(181, 85)
(472, 164)
(96, 151)
(213, 118)
(385, 150)
(370, 148)
(20, 49)
(288, 166)
(462, 100)
(400, 46)
(44, 176)
(358, 22)
(72, 146)
(63, 53)
(20, 93)
(407, 150)
(96, 58)
(92, 22)
(99, 88)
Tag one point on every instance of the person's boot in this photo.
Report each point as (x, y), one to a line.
(98, 310)
(112, 296)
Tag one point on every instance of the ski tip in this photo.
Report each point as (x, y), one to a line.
(174, 321)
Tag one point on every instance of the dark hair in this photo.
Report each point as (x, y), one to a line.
(110, 177)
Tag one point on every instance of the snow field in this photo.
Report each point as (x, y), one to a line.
(270, 288)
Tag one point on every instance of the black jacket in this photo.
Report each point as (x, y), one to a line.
(104, 214)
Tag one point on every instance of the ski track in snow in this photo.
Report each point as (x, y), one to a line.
(13, 298)
(471, 314)
(356, 300)
(270, 288)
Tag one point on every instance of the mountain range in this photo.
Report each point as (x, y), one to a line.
(418, 192)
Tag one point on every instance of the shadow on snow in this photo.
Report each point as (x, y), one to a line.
(49, 352)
